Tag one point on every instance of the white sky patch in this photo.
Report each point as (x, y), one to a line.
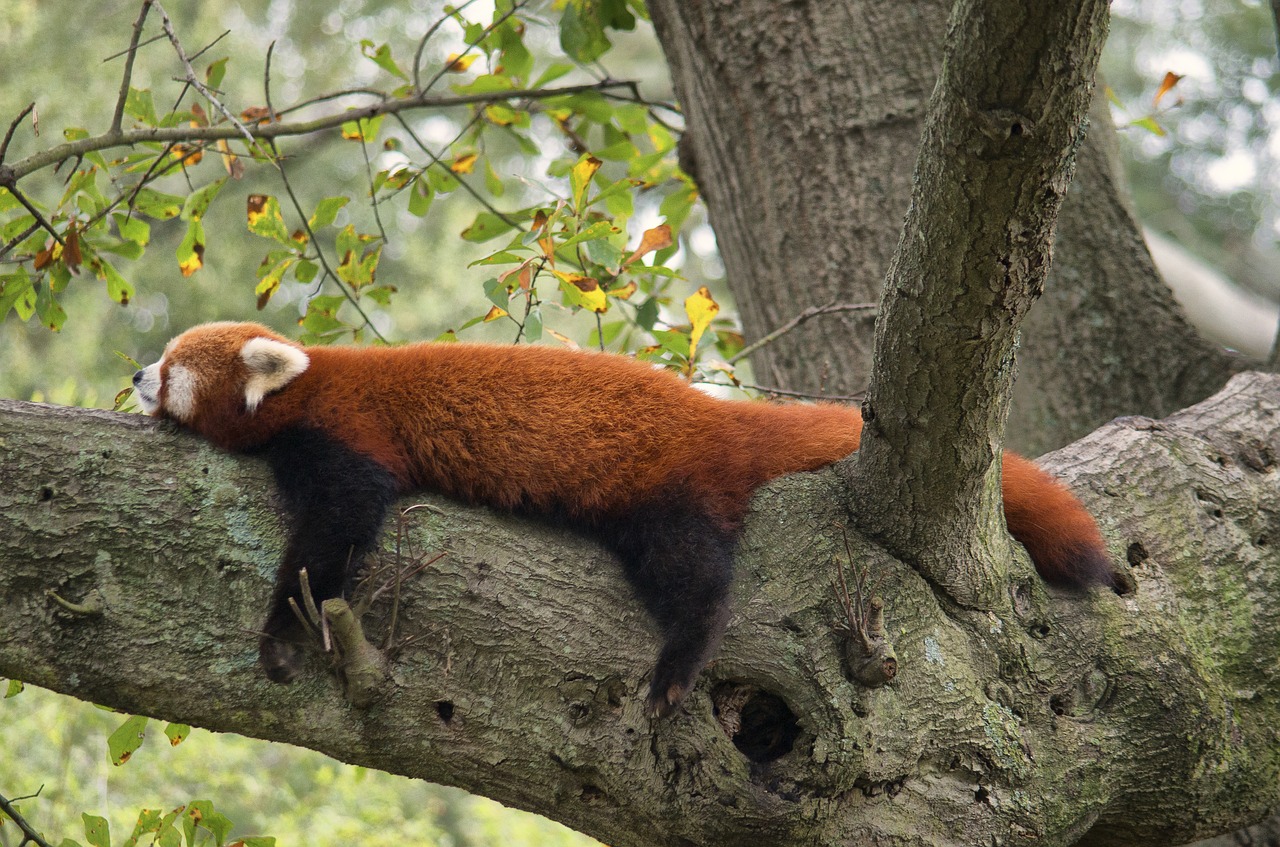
(1233, 171)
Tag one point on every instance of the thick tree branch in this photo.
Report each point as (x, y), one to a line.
(523, 657)
(994, 164)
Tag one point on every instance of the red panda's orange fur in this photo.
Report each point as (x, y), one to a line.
(594, 438)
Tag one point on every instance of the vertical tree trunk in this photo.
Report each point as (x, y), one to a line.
(803, 122)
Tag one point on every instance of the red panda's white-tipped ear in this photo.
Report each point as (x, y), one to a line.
(272, 365)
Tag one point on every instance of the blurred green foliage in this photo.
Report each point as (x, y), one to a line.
(298, 796)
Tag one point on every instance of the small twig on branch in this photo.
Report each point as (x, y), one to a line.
(444, 68)
(278, 161)
(191, 74)
(29, 834)
(40, 219)
(807, 314)
(804, 395)
(422, 45)
(127, 76)
(13, 127)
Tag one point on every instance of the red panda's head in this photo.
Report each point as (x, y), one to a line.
(217, 372)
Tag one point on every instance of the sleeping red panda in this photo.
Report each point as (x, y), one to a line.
(658, 471)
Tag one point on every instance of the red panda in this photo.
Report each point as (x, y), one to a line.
(658, 471)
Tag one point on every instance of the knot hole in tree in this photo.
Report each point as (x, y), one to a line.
(760, 724)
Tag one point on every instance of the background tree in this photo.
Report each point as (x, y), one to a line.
(737, 170)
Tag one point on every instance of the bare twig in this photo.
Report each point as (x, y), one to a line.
(278, 161)
(803, 395)
(807, 314)
(422, 45)
(29, 834)
(35, 213)
(127, 76)
(444, 68)
(13, 127)
(191, 77)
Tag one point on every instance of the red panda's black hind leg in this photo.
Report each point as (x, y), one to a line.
(680, 563)
(337, 500)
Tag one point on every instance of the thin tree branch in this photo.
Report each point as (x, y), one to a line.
(162, 135)
(807, 314)
(278, 161)
(13, 127)
(127, 76)
(40, 219)
(191, 74)
(422, 45)
(29, 835)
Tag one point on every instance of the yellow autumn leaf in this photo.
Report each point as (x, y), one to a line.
(193, 262)
(456, 64)
(580, 179)
(1170, 80)
(625, 292)
(582, 291)
(658, 238)
(701, 309)
(494, 314)
(465, 163)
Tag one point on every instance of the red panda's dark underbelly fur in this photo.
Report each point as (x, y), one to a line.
(659, 472)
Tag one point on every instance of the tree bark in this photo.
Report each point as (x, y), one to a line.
(803, 120)
(522, 659)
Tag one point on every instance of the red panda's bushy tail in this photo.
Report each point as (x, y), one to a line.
(1057, 530)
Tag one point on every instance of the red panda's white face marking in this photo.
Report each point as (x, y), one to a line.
(213, 364)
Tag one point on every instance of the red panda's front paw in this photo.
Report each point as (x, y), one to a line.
(279, 658)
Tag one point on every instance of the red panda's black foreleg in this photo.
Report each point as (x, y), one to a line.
(337, 500)
(680, 563)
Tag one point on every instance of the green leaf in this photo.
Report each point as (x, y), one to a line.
(533, 325)
(486, 226)
(17, 292)
(603, 253)
(214, 73)
(364, 129)
(96, 830)
(138, 104)
(48, 309)
(381, 56)
(420, 196)
(177, 733)
(198, 203)
(133, 229)
(118, 288)
(158, 206)
(597, 230)
(127, 738)
(485, 84)
(327, 212)
(305, 271)
(647, 314)
(552, 73)
(14, 689)
(581, 31)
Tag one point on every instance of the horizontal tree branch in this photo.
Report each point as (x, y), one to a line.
(522, 657)
(11, 174)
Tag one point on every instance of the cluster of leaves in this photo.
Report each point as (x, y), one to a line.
(194, 824)
(568, 251)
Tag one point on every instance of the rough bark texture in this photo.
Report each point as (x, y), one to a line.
(524, 669)
(803, 123)
(994, 165)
